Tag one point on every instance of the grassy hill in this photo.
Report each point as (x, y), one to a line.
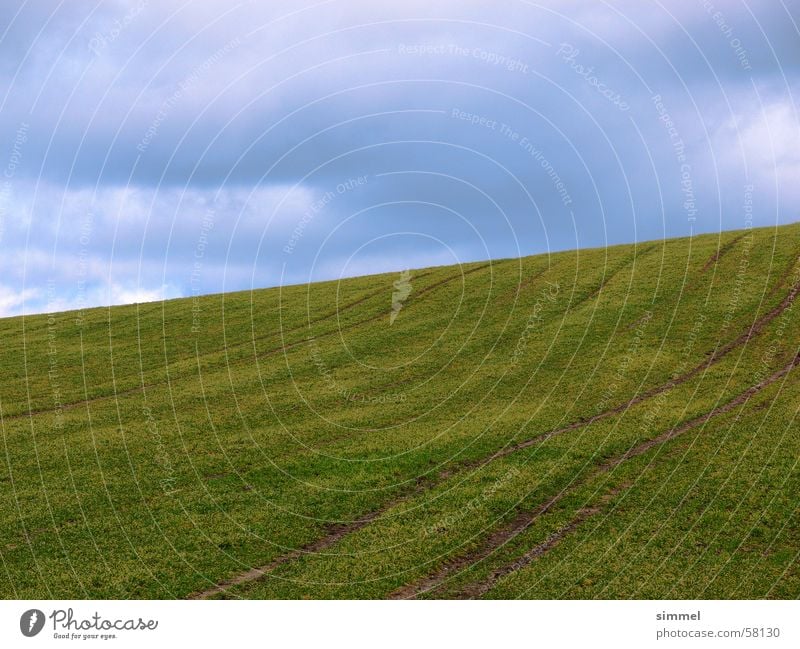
(604, 423)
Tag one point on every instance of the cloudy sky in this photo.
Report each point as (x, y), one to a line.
(164, 149)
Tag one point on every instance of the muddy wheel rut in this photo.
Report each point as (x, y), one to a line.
(72, 405)
(525, 519)
(425, 484)
(334, 535)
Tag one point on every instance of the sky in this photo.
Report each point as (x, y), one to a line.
(153, 150)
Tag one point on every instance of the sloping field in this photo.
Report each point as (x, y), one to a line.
(610, 423)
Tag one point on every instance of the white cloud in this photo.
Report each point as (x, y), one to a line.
(132, 212)
(376, 264)
(128, 244)
(136, 294)
(14, 302)
(770, 142)
(34, 301)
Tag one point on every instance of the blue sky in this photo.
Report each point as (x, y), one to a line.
(156, 150)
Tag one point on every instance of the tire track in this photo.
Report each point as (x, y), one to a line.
(755, 329)
(336, 533)
(516, 291)
(525, 519)
(143, 386)
(712, 261)
(449, 279)
(609, 277)
(722, 250)
(429, 483)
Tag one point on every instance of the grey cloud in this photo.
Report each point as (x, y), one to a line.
(191, 107)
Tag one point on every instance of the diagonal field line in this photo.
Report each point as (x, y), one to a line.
(340, 532)
(525, 519)
(123, 393)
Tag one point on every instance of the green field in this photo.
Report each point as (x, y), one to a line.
(606, 423)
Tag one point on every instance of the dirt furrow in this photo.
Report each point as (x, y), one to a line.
(525, 519)
(724, 248)
(445, 474)
(716, 356)
(257, 573)
(139, 388)
(524, 284)
(335, 534)
(609, 277)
